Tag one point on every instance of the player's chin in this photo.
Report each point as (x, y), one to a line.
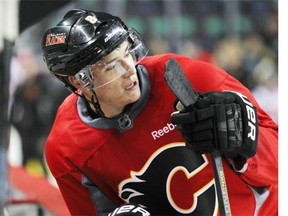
(135, 96)
(132, 96)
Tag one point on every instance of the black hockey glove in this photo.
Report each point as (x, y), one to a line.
(129, 209)
(225, 121)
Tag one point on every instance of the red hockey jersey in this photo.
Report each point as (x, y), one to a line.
(149, 163)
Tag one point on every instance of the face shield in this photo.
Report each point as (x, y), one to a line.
(133, 53)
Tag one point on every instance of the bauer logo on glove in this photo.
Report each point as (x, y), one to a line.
(129, 209)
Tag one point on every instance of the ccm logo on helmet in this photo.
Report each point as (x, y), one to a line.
(109, 36)
(129, 209)
(251, 116)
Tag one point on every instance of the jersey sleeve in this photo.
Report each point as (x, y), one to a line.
(71, 190)
(262, 168)
(82, 197)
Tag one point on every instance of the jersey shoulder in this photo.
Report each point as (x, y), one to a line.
(204, 76)
(70, 141)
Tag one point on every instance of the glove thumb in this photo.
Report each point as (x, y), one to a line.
(179, 106)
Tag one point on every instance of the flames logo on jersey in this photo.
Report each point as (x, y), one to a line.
(173, 181)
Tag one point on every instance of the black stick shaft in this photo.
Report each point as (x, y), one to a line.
(221, 187)
(184, 91)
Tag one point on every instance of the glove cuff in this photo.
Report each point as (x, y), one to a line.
(239, 166)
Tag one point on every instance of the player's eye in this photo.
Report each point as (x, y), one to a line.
(110, 66)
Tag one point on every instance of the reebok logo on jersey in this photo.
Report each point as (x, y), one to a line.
(161, 132)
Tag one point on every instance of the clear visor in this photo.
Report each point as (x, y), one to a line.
(130, 55)
(138, 47)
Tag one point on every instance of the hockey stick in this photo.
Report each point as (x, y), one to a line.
(182, 88)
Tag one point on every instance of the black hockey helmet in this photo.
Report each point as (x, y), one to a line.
(83, 37)
(80, 38)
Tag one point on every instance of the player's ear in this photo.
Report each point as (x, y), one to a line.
(74, 81)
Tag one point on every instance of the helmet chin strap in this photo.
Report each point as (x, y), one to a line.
(124, 121)
(85, 79)
(95, 103)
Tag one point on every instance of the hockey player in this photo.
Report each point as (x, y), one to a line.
(113, 142)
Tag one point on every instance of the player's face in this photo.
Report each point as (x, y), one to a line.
(115, 80)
